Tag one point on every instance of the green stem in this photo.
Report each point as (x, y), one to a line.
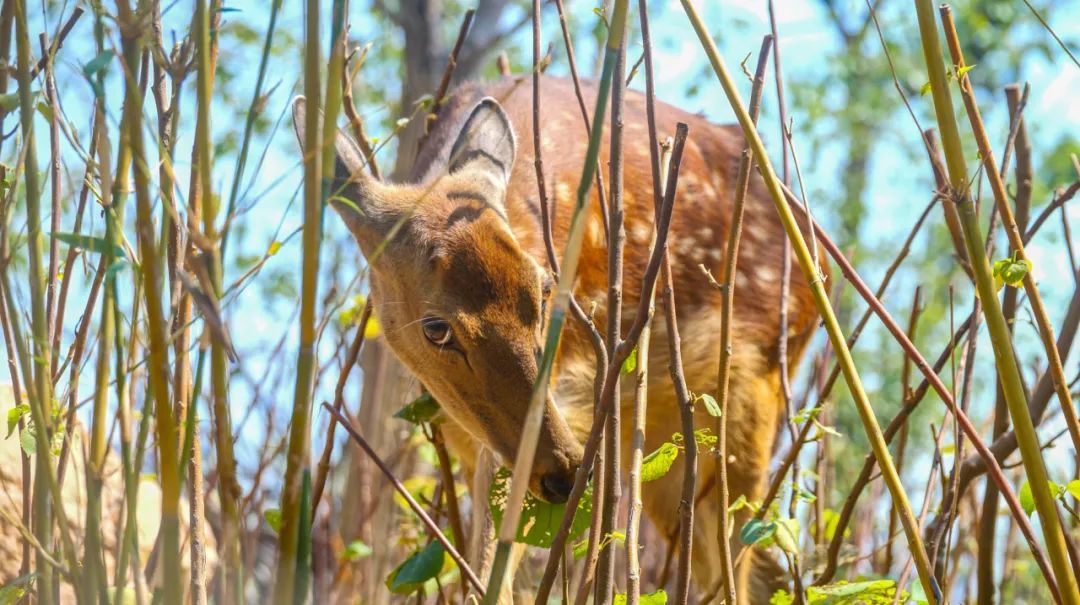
(821, 300)
(1008, 371)
(319, 159)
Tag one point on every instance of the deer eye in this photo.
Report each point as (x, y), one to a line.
(437, 331)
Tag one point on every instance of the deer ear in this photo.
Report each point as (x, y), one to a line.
(350, 165)
(486, 142)
(356, 195)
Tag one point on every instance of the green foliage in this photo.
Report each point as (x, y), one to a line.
(539, 520)
(630, 363)
(1011, 271)
(711, 406)
(873, 592)
(89, 243)
(422, 409)
(658, 463)
(13, 416)
(653, 598)
(273, 518)
(421, 566)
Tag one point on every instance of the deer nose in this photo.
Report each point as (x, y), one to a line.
(556, 487)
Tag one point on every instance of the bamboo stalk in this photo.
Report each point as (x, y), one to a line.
(158, 365)
(1008, 370)
(319, 160)
(987, 532)
(836, 337)
(228, 487)
(36, 365)
(1012, 230)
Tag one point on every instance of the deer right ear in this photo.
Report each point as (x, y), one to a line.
(486, 142)
(355, 195)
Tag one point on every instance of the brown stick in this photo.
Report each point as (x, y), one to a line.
(727, 303)
(413, 504)
(618, 356)
(323, 468)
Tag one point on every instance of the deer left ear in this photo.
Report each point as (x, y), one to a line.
(486, 142)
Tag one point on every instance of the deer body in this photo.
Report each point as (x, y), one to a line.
(460, 289)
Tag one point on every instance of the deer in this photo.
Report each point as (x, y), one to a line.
(460, 284)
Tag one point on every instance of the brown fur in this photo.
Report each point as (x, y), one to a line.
(474, 249)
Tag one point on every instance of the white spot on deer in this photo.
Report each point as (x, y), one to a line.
(705, 233)
(766, 274)
(756, 231)
(640, 233)
(715, 254)
(562, 191)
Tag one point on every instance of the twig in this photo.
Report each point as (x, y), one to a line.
(448, 73)
(323, 468)
(534, 415)
(618, 356)
(727, 303)
(581, 101)
(413, 504)
(1064, 47)
(605, 574)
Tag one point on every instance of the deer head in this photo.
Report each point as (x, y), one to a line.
(461, 303)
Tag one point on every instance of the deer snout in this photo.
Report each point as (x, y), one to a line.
(555, 487)
(557, 460)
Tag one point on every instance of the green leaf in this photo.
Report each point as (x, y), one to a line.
(28, 442)
(10, 101)
(420, 567)
(787, 535)
(9, 595)
(1011, 271)
(97, 64)
(1073, 487)
(806, 414)
(873, 592)
(630, 363)
(963, 70)
(356, 550)
(781, 597)
(116, 268)
(925, 89)
(13, 416)
(1027, 501)
(420, 410)
(756, 530)
(273, 518)
(710, 404)
(658, 463)
(44, 110)
(653, 598)
(89, 243)
(539, 520)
